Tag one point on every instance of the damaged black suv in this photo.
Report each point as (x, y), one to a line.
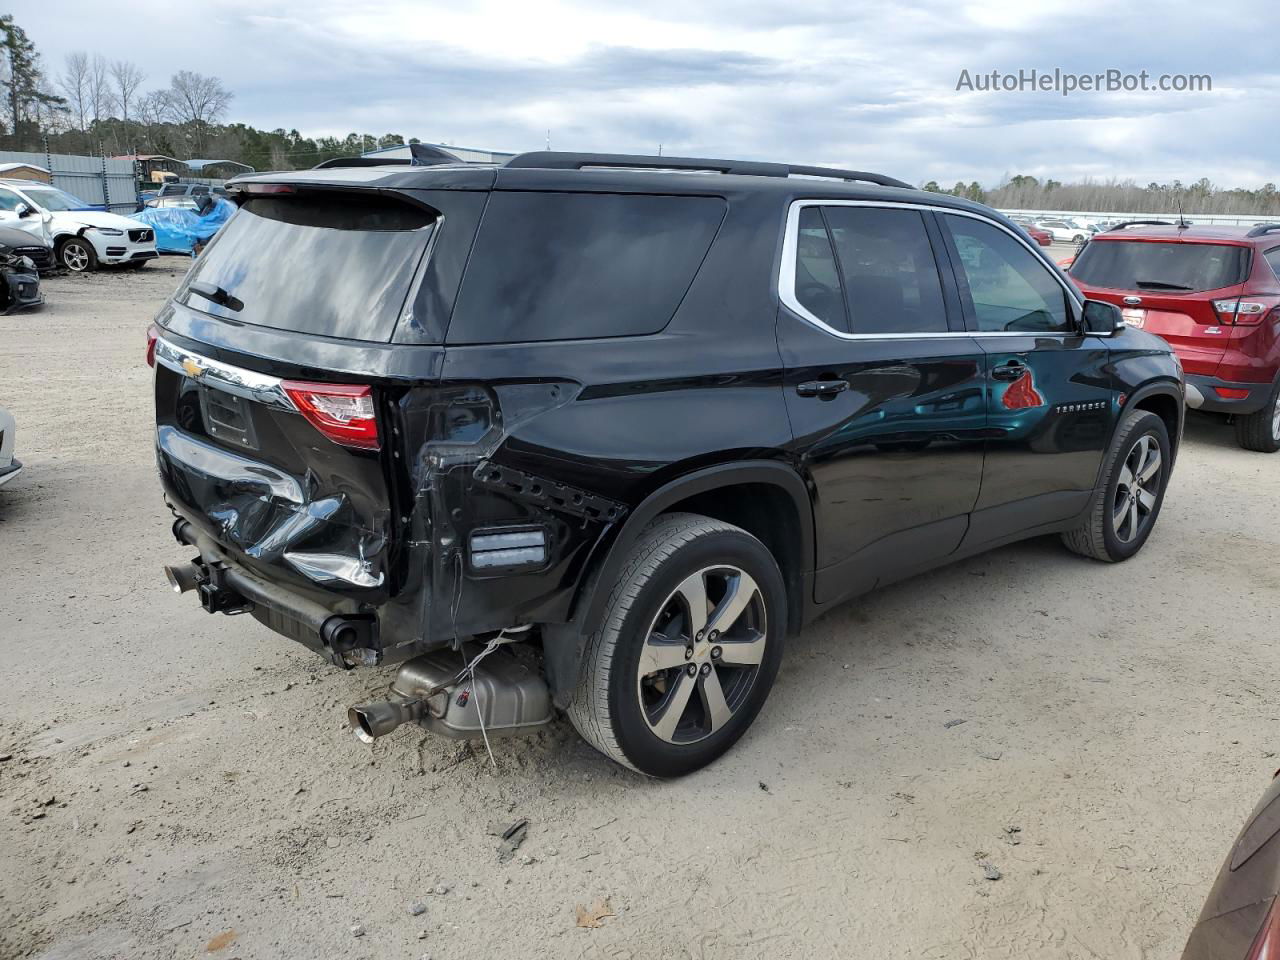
(598, 432)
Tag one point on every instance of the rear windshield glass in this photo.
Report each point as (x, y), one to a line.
(1171, 267)
(565, 266)
(336, 264)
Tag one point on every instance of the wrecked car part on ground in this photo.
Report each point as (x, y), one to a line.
(630, 414)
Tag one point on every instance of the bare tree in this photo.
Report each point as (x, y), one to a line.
(126, 78)
(197, 99)
(99, 88)
(74, 83)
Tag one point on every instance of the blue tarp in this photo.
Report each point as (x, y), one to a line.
(179, 229)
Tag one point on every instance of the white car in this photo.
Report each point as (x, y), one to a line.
(9, 467)
(82, 239)
(1065, 231)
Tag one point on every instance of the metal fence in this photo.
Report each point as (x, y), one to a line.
(109, 182)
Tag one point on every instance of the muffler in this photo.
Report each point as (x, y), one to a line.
(504, 695)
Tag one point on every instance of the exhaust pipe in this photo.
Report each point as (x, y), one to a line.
(183, 577)
(372, 720)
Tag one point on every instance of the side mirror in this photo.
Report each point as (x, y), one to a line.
(22, 210)
(1102, 318)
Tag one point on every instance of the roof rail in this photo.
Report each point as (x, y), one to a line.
(1139, 223)
(1262, 229)
(556, 160)
(420, 155)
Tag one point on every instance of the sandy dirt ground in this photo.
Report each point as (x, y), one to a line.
(175, 785)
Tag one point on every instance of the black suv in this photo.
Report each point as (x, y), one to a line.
(598, 432)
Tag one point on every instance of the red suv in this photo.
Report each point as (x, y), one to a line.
(1214, 294)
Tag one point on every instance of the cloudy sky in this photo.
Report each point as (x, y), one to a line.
(862, 84)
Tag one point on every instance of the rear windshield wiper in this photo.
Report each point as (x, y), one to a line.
(215, 294)
(1159, 285)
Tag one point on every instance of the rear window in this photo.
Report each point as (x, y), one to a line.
(1168, 267)
(329, 263)
(567, 266)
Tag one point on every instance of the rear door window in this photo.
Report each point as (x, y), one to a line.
(567, 266)
(1161, 266)
(888, 268)
(332, 263)
(1009, 288)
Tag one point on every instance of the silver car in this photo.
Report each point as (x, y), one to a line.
(9, 467)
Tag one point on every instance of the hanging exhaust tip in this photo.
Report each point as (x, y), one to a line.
(183, 577)
(372, 720)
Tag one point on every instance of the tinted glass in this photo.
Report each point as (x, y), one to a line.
(817, 280)
(566, 266)
(1009, 287)
(890, 276)
(337, 264)
(1156, 266)
(1273, 260)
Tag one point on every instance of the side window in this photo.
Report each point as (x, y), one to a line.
(890, 275)
(817, 279)
(9, 200)
(1273, 259)
(1009, 287)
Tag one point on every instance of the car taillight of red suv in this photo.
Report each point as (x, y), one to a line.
(1213, 292)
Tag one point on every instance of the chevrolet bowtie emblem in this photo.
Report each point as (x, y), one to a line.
(192, 367)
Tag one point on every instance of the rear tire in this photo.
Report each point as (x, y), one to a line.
(77, 255)
(661, 689)
(1261, 431)
(1127, 504)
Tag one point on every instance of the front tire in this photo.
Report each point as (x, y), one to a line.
(1125, 508)
(1261, 431)
(77, 255)
(688, 648)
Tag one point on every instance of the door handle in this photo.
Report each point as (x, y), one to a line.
(1010, 371)
(826, 389)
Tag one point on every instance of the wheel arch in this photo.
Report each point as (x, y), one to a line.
(1165, 400)
(766, 498)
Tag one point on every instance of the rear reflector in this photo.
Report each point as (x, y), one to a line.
(511, 548)
(342, 412)
(153, 334)
(1231, 393)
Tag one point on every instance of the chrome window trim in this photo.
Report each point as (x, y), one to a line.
(787, 273)
(249, 384)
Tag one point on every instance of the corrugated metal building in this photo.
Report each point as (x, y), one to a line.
(103, 182)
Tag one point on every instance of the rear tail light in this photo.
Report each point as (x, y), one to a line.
(1266, 945)
(342, 412)
(1241, 311)
(153, 334)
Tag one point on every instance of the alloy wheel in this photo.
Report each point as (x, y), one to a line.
(75, 257)
(1275, 419)
(1137, 489)
(701, 654)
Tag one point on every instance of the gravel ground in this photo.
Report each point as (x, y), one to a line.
(174, 784)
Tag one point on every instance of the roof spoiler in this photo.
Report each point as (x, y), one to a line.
(420, 155)
(556, 160)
